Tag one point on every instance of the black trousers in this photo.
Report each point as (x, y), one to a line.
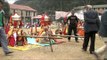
(89, 36)
(0, 44)
(74, 29)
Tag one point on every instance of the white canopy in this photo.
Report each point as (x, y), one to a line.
(59, 14)
(16, 17)
(80, 14)
(38, 16)
(46, 16)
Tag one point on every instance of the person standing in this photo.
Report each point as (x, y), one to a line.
(3, 38)
(91, 27)
(72, 25)
(103, 34)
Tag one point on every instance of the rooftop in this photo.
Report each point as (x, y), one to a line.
(21, 7)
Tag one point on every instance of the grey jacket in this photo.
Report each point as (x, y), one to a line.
(103, 25)
(92, 21)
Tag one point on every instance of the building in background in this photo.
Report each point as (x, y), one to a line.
(25, 12)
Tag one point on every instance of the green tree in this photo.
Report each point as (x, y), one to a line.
(6, 9)
(50, 6)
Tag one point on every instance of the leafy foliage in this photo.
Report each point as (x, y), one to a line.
(52, 5)
(6, 9)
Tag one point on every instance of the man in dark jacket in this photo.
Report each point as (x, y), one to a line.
(91, 27)
(103, 34)
(72, 25)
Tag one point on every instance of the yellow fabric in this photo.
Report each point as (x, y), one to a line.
(24, 48)
(39, 39)
(41, 34)
(39, 29)
(10, 31)
(66, 29)
(33, 30)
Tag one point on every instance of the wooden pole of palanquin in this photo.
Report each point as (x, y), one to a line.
(49, 37)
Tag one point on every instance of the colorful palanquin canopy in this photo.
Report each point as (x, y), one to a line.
(45, 20)
(16, 17)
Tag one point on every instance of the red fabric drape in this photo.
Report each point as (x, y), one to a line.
(11, 41)
(15, 23)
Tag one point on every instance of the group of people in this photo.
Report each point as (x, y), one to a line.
(92, 26)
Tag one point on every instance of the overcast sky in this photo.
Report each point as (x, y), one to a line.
(11, 1)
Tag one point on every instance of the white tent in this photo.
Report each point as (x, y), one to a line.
(80, 14)
(59, 14)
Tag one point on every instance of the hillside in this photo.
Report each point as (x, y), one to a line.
(51, 5)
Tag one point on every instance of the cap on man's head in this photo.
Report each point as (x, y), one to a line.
(88, 6)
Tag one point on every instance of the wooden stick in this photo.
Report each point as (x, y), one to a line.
(51, 37)
(69, 36)
(50, 45)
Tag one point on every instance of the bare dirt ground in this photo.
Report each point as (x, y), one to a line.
(64, 51)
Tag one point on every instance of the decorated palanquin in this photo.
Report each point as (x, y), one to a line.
(42, 31)
(15, 31)
(44, 21)
(15, 38)
(16, 21)
(46, 31)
